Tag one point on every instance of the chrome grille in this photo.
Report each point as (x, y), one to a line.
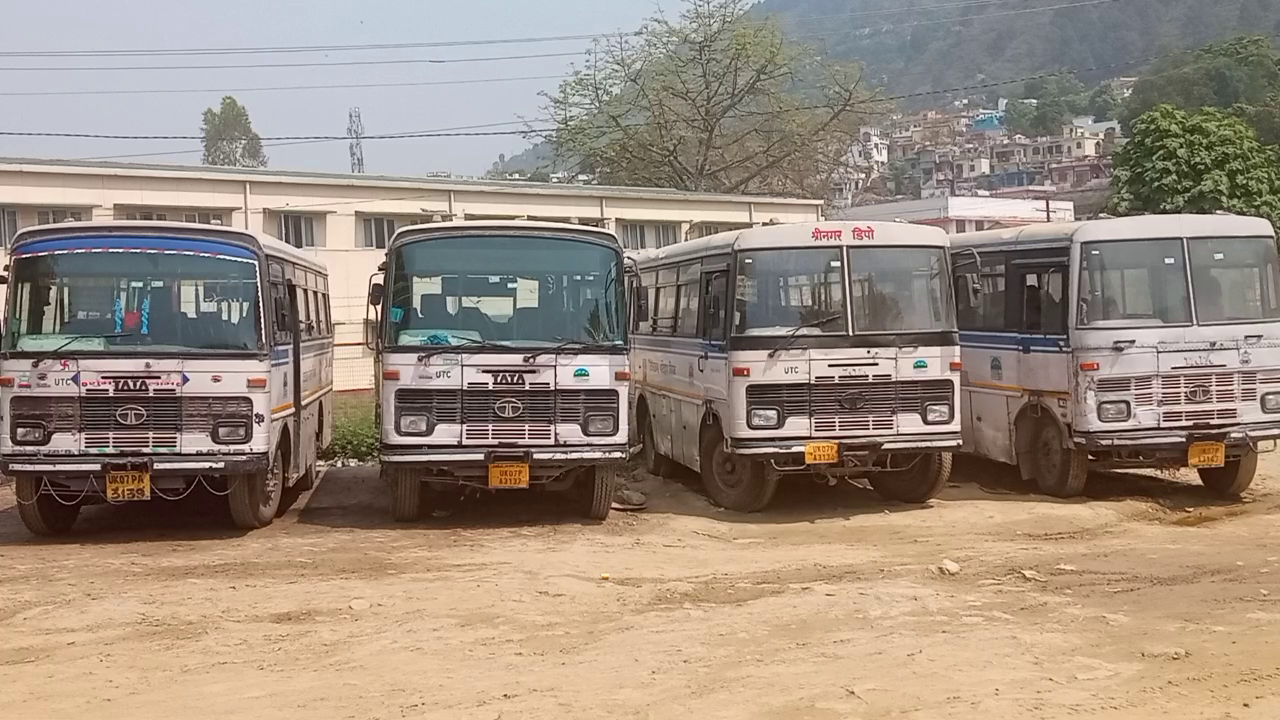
(102, 428)
(1143, 389)
(867, 403)
(59, 414)
(1218, 388)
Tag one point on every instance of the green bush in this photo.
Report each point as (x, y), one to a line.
(355, 433)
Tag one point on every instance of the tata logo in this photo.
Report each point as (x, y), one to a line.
(131, 415)
(1199, 393)
(853, 400)
(131, 385)
(508, 379)
(508, 408)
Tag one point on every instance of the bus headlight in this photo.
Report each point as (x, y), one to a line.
(415, 425)
(601, 425)
(937, 413)
(231, 432)
(30, 432)
(764, 418)
(1114, 411)
(1271, 403)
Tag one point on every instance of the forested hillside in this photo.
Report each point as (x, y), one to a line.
(915, 45)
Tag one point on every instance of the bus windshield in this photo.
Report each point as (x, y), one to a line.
(517, 291)
(780, 291)
(900, 289)
(135, 301)
(1133, 283)
(1234, 279)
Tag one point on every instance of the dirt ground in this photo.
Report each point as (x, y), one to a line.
(1144, 600)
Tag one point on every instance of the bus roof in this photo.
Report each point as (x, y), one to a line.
(1127, 228)
(269, 245)
(799, 235)
(457, 227)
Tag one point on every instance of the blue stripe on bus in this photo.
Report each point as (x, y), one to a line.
(120, 243)
(683, 346)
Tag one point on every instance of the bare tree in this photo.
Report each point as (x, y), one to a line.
(714, 101)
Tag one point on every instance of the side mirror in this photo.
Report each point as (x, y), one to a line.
(376, 294)
(4, 279)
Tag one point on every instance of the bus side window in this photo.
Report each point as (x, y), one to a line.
(280, 313)
(1044, 306)
(715, 296)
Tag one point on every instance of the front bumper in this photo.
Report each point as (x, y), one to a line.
(177, 467)
(934, 442)
(559, 456)
(1238, 436)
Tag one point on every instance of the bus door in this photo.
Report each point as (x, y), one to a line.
(294, 374)
(713, 364)
(1041, 299)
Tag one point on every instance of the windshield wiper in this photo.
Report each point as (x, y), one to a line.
(791, 337)
(463, 342)
(75, 338)
(565, 344)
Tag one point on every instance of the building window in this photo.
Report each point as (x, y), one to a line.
(51, 217)
(632, 236)
(378, 232)
(203, 218)
(146, 216)
(8, 225)
(297, 230)
(665, 235)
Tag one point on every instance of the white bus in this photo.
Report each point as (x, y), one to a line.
(502, 362)
(1143, 342)
(799, 349)
(142, 360)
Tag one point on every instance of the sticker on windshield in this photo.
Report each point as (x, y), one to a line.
(1218, 256)
(1169, 261)
(397, 314)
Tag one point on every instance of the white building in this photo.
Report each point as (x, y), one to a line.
(965, 214)
(345, 221)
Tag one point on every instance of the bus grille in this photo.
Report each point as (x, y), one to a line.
(851, 405)
(105, 422)
(507, 415)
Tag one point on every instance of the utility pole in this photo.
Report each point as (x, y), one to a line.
(355, 131)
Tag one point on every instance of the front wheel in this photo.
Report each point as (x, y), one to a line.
(655, 463)
(42, 512)
(1060, 471)
(1233, 478)
(255, 499)
(599, 484)
(918, 483)
(406, 495)
(735, 482)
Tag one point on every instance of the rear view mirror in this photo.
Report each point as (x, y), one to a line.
(376, 294)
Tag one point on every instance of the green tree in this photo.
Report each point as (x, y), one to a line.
(1200, 162)
(1242, 71)
(707, 102)
(229, 138)
(1103, 103)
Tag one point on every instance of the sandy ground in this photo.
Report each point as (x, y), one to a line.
(1145, 600)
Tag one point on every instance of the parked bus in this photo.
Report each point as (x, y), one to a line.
(502, 362)
(1143, 342)
(826, 349)
(142, 360)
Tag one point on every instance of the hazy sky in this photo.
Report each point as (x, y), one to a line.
(62, 25)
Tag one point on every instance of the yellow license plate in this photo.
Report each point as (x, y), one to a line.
(821, 453)
(1207, 454)
(126, 486)
(508, 475)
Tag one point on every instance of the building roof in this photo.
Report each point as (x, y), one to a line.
(205, 172)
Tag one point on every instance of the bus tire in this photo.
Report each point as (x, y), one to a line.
(599, 484)
(655, 463)
(406, 495)
(41, 512)
(917, 484)
(1232, 479)
(732, 481)
(1060, 471)
(254, 499)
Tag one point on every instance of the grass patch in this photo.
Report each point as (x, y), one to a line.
(355, 431)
